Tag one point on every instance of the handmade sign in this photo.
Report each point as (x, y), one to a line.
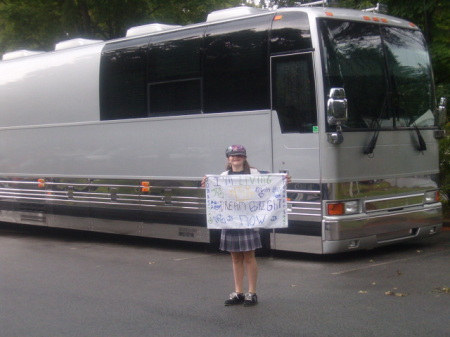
(246, 201)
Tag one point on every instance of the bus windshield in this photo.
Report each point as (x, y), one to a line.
(385, 71)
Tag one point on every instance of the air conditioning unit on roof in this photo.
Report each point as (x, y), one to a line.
(150, 28)
(75, 43)
(20, 53)
(234, 12)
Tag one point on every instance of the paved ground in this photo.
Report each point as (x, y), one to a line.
(65, 283)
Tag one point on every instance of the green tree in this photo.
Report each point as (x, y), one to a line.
(28, 24)
(39, 24)
(444, 153)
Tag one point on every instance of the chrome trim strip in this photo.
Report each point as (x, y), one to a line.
(34, 199)
(396, 202)
(336, 229)
(170, 196)
(379, 188)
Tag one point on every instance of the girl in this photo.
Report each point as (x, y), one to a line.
(241, 243)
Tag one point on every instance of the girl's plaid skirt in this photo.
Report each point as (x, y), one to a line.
(239, 240)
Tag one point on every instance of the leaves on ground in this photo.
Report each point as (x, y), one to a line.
(442, 290)
(396, 294)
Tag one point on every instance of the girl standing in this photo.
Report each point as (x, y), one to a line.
(241, 243)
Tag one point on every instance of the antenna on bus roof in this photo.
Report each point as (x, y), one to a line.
(380, 8)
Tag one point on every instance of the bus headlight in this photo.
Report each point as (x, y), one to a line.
(351, 207)
(432, 197)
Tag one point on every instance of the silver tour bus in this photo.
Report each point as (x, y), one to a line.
(115, 136)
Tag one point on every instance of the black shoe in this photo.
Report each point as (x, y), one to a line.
(235, 298)
(250, 299)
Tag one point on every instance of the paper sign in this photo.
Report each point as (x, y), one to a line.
(246, 201)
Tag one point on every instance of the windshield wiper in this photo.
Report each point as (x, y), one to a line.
(373, 143)
(376, 122)
(422, 145)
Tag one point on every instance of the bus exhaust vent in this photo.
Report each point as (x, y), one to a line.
(20, 53)
(75, 43)
(150, 28)
(234, 12)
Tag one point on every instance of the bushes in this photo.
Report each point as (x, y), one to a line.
(444, 163)
(443, 90)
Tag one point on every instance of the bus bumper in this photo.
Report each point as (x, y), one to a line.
(340, 235)
(362, 232)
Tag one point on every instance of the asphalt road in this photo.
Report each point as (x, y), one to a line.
(65, 283)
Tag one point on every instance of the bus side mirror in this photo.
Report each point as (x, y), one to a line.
(442, 112)
(337, 111)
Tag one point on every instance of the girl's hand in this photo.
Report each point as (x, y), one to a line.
(204, 180)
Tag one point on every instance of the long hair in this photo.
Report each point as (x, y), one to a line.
(246, 167)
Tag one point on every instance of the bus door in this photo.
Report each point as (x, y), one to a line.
(296, 147)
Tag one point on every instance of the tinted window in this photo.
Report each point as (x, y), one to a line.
(188, 71)
(175, 55)
(177, 97)
(174, 70)
(385, 72)
(409, 64)
(294, 96)
(123, 80)
(236, 74)
(290, 32)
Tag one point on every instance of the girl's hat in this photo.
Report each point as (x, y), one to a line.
(236, 150)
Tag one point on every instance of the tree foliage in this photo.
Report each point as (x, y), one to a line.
(444, 152)
(39, 24)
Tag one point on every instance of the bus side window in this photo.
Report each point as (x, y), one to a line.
(290, 32)
(293, 92)
(174, 73)
(123, 80)
(236, 71)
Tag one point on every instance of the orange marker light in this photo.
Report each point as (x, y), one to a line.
(145, 186)
(329, 14)
(277, 17)
(336, 209)
(384, 20)
(367, 18)
(41, 183)
(376, 19)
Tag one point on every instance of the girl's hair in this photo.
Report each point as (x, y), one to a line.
(246, 167)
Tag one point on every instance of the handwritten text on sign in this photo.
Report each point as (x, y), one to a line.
(246, 201)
